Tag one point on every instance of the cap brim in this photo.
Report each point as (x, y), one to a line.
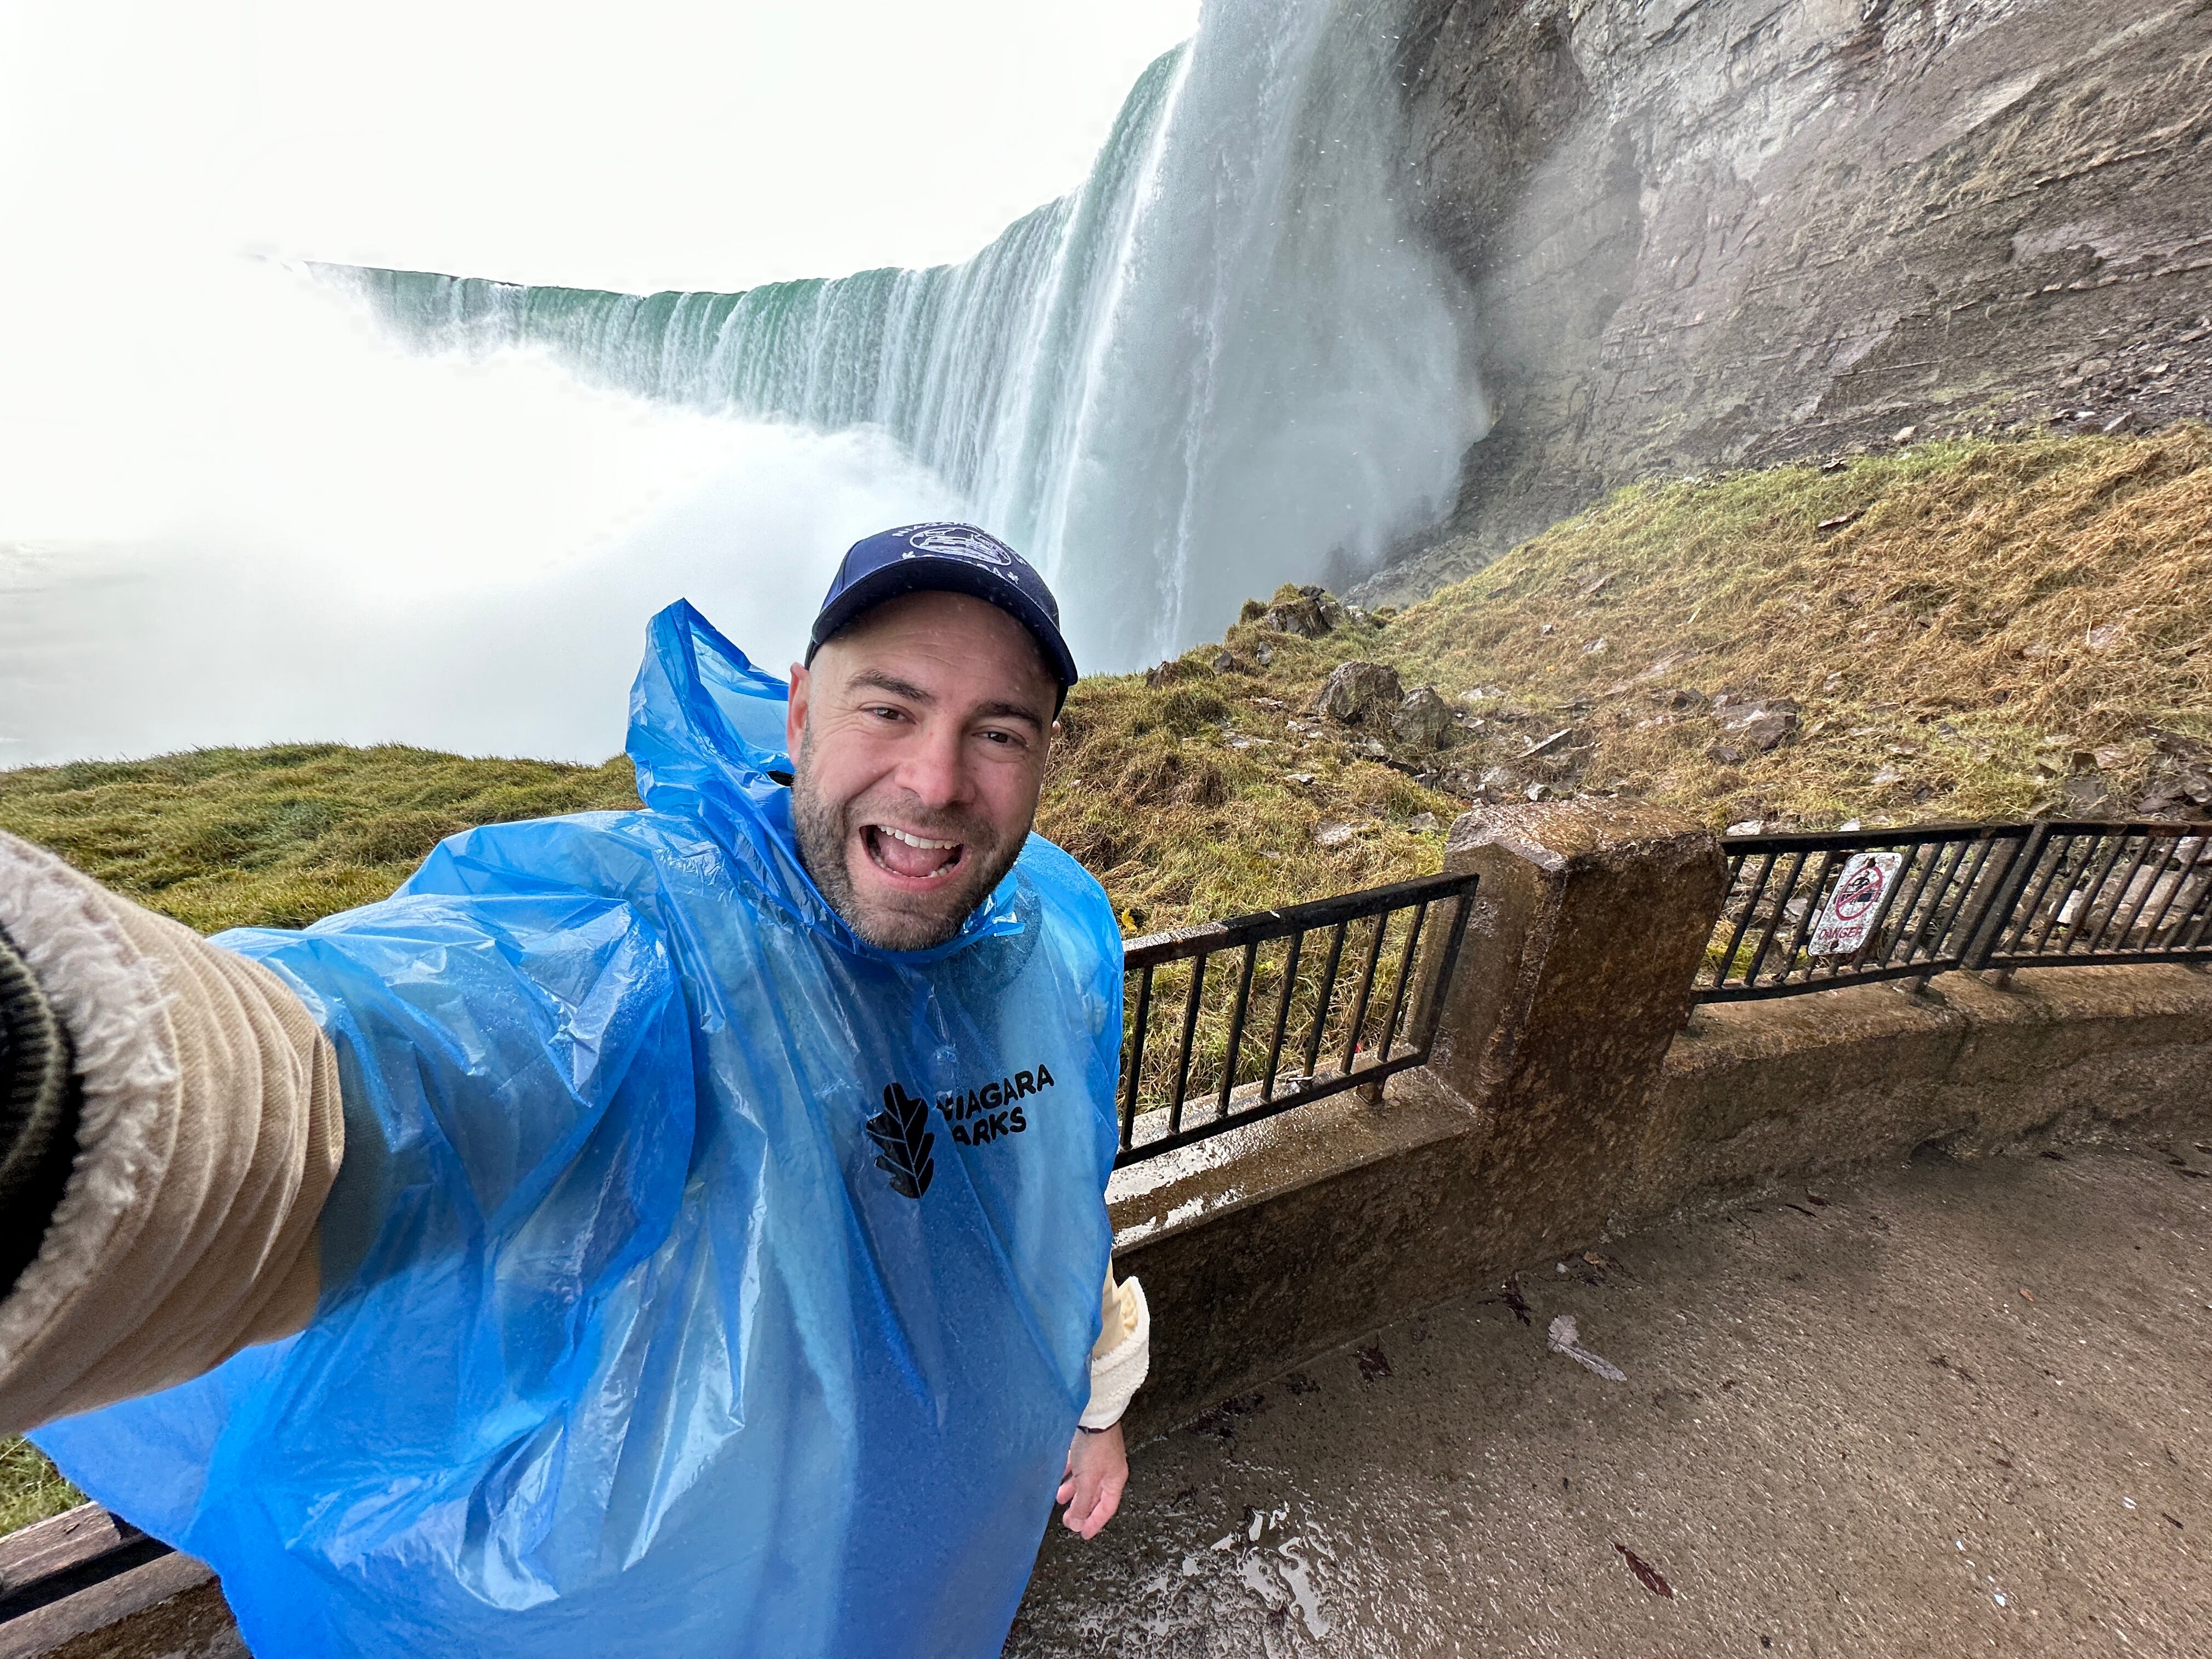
(924, 574)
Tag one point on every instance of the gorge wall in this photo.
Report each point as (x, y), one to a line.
(1711, 234)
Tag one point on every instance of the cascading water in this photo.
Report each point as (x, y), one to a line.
(1226, 362)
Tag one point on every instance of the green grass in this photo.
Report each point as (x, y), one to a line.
(280, 837)
(30, 1489)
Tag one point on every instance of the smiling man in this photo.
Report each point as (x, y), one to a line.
(669, 1232)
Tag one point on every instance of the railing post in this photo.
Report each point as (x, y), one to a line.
(1586, 930)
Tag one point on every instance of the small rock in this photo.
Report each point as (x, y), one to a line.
(1370, 749)
(1499, 780)
(1545, 629)
(1538, 792)
(1332, 614)
(2105, 636)
(1223, 661)
(1680, 697)
(2111, 758)
(1264, 656)
(1549, 746)
(1767, 730)
(2085, 792)
(1886, 776)
(1303, 617)
(1299, 780)
(1424, 824)
(1333, 835)
(1591, 590)
(1423, 720)
(1356, 690)
(1597, 648)
(1727, 754)
(1903, 435)
(1748, 827)
(1358, 617)
(1272, 705)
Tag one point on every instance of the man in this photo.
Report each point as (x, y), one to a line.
(667, 1233)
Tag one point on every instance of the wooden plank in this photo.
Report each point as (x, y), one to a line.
(62, 1543)
(143, 1611)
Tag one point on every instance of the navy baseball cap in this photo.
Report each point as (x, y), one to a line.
(945, 558)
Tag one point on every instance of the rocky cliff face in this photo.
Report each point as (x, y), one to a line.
(1722, 233)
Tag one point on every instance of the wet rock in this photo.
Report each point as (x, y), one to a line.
(1301, 617)
(1354, 691)
(1768, 731)
(1424, 824)
(1761, 725)
(1549, 213)
(1423, 720)
(1727, 754)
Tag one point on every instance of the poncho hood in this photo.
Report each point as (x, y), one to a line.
(707, 740)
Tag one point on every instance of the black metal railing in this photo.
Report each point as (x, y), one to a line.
(2086, 891)
(1273, 1011)
(1806, 911)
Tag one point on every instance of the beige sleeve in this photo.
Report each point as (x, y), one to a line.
(208, 1138)
(1122, 1354)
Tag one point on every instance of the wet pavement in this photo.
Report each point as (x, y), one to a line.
(1945, 1409)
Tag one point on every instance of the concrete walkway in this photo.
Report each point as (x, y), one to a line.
(1950, 1410)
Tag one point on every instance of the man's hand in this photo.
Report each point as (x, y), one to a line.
(1098, 1472)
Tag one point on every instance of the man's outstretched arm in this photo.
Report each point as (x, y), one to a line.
(169, 1129)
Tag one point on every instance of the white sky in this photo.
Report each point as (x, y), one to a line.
(654, 144)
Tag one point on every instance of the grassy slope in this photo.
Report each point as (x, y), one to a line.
(2007, 615)
(1995, 620)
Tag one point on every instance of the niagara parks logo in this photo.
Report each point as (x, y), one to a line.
(958, 541)
(977, 1117)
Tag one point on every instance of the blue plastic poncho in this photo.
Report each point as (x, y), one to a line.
(700, 1279)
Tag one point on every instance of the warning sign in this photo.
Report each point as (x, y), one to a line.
(1856, 901)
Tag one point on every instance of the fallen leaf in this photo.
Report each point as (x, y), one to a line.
(1373, 1363)
(1646, 1574)
(1594, 1258)
(2026, 1294)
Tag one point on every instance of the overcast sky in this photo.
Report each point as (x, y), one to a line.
(655, 143)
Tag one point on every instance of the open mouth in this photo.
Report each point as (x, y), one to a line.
(910, 857)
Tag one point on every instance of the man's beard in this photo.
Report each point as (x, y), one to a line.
(825, 834)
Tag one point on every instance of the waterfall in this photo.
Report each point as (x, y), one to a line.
(1226, 361)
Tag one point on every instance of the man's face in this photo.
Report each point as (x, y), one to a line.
(918, 743)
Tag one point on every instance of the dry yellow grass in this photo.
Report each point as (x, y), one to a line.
(2000, 625)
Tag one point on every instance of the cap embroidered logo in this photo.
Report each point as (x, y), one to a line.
(959, 541)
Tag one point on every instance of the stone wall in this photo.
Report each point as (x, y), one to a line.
(1708, 233)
